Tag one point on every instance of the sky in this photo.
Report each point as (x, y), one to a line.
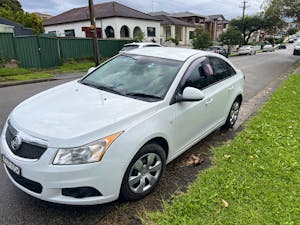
(229, 8)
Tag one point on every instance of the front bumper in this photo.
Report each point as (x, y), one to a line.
(104, 176)
(296, 52)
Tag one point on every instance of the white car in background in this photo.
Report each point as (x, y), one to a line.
(296, 48)
(246, 50)
(134, 45)
(112, 132)
(268, 48)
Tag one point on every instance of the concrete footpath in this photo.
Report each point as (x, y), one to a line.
(64, 76)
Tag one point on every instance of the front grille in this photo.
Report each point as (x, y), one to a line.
(26, 150)
(29, 184)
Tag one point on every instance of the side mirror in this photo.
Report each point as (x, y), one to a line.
(190, 94)
(91, 70)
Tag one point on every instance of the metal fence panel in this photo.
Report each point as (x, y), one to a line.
(45, 52)
(109, 48)
(27, 50)
(7, 49)
(49, 52)
(76, 48)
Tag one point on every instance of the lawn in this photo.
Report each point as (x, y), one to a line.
(19, 74)
(255, 178)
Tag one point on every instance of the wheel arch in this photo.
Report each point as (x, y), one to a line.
(160, 141)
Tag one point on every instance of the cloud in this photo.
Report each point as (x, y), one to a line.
(229, 8)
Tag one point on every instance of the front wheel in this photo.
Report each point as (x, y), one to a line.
(233, 115)
(143, 172)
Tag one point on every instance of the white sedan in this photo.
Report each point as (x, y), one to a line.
(247, 50)
(268, 48)
(112, 132)
(134, 45)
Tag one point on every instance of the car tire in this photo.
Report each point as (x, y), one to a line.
(143, 172)
(232, 115)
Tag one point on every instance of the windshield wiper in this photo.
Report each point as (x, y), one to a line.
(104, 88)
(142, 95)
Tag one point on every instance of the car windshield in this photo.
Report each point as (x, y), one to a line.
(297, 43)
(129, 47)
(143, 77)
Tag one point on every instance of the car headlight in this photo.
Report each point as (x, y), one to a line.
(89, 153)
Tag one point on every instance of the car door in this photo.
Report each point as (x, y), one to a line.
(190, 120)
(220, 89)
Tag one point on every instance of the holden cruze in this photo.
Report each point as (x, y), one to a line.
(112, 132)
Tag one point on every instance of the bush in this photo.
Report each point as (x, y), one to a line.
(139, 37)
(201, 39)
(174, 40)
(279, 41)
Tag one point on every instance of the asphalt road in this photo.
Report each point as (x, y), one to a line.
(18, 208)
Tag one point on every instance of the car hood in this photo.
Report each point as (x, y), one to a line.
(75, 111)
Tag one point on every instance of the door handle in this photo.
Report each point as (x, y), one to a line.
(209, 101)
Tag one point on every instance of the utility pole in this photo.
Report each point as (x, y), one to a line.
(244, 6)
(94, 30)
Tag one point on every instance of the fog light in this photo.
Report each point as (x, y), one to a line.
(81, 192)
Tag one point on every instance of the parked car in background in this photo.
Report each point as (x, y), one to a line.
(247, 50)
(297, 48)
(291, 40)
(218, 49)
(135, 45)
(282, 46)
(268, 48)
(112, 132)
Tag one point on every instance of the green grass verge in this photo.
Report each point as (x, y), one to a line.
(19, 74)
(72, 67)
(257, 174)
(27, 76)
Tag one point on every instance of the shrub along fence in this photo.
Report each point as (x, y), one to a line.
(46, 52)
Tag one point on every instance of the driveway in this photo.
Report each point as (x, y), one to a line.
(18, 208)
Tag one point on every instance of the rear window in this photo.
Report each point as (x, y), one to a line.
(129, 47)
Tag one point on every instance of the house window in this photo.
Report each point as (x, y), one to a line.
(124, 32)
(52, 33)
(151, 31)
(191, 35)
(70, 33)
(109, 32)
(197, 20)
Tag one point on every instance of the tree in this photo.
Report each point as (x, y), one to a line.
(250, 24)
(292, 31)
(12, 10)
(232, 36)
(14, 5)
(139, 37)
(201, 39)
(284, 8)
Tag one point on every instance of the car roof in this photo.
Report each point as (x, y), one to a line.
(180, 54)
(141, 44)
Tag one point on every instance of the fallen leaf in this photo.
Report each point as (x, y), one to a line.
(196, 160)
(225, 203)
(227, 156)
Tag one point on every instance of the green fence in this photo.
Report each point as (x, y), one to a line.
(76, 48)
(7, 50)
(45, 52)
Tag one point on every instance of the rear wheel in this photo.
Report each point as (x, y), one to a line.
(233, 115)
(143, 172)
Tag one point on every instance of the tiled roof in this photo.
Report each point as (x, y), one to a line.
(168, 20)
(19, 29)
(104, 10)
(185, 14)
